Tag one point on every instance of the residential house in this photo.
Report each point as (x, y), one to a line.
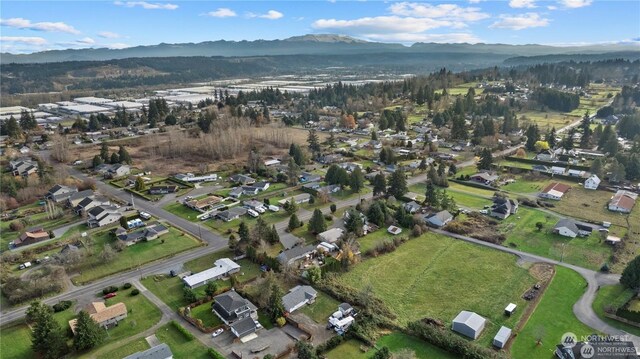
(556, 170)
(163, 189)
(554, 191)
(60, 193)
(231, 214)
(191, 178)
(202, 205)
(329, 189)
(242, 179)
(292, 255)
(350, 166)
(236, 192)
(592, 182)
(623, 201)
(23, 167)
(118, 170)
(412, 207)
(89, 203)
(230, 307)
(484, 178)
(244, 328)
(570, 228)
(261, 186)
(331, 235)
(330, 159)
(503, 207)
(75, 198)
(298, 199)
(540, 168)
(306, 177)
(250, 190)
(439, 219)
(311, 186)
(102, 215)
(254, 205)
(468, 324)
(146, 234)
(502, 337)
(160, 351)
(271, 162)
(297, 297)
(576, 173)
(30, 237)
(106, 317)
(222, 268)
(547, 156)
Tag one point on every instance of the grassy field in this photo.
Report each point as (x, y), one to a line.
(423, 350)
(133, 256)
(466, 196)
(127, 349)
(416, 283)
(35, 220)
(520, 229)
(180, 346)
(203, 312)
(371, 240)
(349, 349)
(615, 296)
(323, 307)
(552, 318)
(589, 205)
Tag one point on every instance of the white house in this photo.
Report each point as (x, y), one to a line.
(298, 297)
(331, 235)
(570, 228)
(592, 182)
(623, 201)
(221, 268)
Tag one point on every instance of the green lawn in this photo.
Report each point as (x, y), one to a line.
(35, 220)
(552, 318)
(520, 229)
(349, 349)
(587, 204)
(433, 276)
(15, 342)
(466, 196)
(180, 346)
(397, 341)
(321, 309)
(133, 256)
(203, 312)
(181, 210)
(371, 240)
(223, 227)
(614, 296)
(125, 350)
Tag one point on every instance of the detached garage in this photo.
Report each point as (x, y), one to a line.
(501, 339)
(468, 324)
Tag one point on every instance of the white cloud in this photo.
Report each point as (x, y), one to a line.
(21, 23)
(518, 4)
(552, 7)
(31, 40)
(475, 1)
(222, 12)
(520, 22)
(270, 15)
(86, 41)
(118, 45)
(449, 12)
(381, 24)
(147, 5)
(411, 38)
(109, 35)
(573, 4)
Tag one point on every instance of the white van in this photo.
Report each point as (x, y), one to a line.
(273, 208)
(252, 213)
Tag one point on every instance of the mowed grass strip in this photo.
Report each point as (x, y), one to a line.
(436, 276)
(552, 318)
(180, 346)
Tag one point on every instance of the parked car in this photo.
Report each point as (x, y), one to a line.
(173, 273)
(253, 213)
(144, 215)
(260, 210)
(78, 162)
(484, 211)
(273, 208)
(25, 265)
(217, 332)
(110, 295)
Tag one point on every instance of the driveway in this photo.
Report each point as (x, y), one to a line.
(275, 341)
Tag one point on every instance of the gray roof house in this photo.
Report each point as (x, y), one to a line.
(439, 219)
(503, 207)
(570, 228)
(60, 193)
(145, 234)
(244, 327)
(468, 324)
(231, 214)
(501, 339)
(331, 235)
(75, 198)
(298, 297)
(117, 170)
(412, 207)
(242, 179)
(160, 351)
(102, 215)
(296, 253)
(232, 307)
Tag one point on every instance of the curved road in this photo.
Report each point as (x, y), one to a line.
(582, 309)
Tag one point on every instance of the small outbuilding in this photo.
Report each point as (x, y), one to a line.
(510, 309)
(468, 324)
(501, 339)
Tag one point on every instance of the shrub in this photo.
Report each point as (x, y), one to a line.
(329, 344)
(109, 289)
(281, 321)
(333, 208)
(134, 292)
(187, 334)
(214, 354)
(16, 226)
(126, 285)
(328, 217)
(62, 306)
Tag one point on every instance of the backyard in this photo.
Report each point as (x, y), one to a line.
(614, 296)
(522, 233)
(321, 309)
(443, 271)
(395, 341)
(552, 318)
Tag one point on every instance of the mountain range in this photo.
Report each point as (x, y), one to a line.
(321, 44)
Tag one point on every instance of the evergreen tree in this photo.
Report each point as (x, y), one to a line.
(353, 224)
(317, 223)
(211, 289)
(312, 140)
(611, 145)
(379, 184)
(88, 332)
(375, 214)
(291, 207)
(104, 152)
(123, 155)
(374, 135)
(551, 138)
(331, 141)
(423, 165)
(275, 305)
(293, 172)
(459, 128)
(47, 338)
(11, 128)
(533, 136)
(585, 125)
(114, 158)
(357, 180)
(140, 186)
(597, 168)
(189, 295)
(243, 233)
(397, 184)
(631, 275)
(486, 159)
(431, 196)
(294, 222)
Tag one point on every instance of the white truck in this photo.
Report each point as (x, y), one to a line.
(25, 265)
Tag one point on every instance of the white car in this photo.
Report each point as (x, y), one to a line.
(260, 210)
(217, 332)
(273, 208)
(484, 211)
(252, 213)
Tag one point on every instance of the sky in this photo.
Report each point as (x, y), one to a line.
(31, 26)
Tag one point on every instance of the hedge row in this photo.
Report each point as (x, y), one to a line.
(187, 334)
(546, 163)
